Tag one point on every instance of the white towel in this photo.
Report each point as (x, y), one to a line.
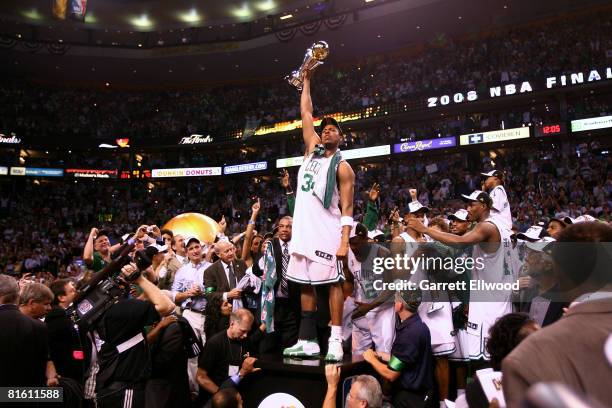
(248, 281)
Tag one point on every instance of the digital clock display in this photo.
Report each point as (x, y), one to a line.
(550, 130)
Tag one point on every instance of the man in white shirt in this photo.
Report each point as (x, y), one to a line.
(188, 293)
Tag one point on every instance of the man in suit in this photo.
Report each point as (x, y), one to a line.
(573, 351)
(222, 277)
(287, 293)
(24, 348)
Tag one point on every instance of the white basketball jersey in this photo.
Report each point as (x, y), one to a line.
(411, 244)
(487, 306)
(501, 206)
(316, 231)
(364, 275)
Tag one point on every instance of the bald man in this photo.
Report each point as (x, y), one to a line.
(222, 277)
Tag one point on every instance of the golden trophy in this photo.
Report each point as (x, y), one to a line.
(313, 58)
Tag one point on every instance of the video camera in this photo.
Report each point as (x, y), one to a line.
(108, 286)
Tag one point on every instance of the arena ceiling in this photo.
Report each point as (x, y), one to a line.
(166, 43)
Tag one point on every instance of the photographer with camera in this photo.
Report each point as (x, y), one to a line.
(124, 359)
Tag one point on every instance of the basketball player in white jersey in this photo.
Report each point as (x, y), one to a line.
(492, 245)
(493, 184)
(414, 210)
(374, 317)
(322, 222)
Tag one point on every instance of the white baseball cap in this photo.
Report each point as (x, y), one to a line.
(160, 248)
(415, 206)
(460, 215)
(375, 234)
(541, 245)
(191, 238)
(480, 196)
(534, 233)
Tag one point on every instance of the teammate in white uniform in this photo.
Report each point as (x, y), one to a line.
(493, 247)
(493, 184)
(322, 222)
(374, 316)
(409, 237)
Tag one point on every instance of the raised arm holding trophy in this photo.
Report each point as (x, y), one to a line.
(313, 58)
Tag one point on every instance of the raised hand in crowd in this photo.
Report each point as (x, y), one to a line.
(222, 225)
(374, 192)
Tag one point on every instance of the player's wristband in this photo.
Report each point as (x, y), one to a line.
(346, 221)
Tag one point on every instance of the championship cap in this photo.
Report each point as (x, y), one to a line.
(459, 215)
(375, 234)
(414, 207)
(494, 173)
(579, 219)
(533, 233)
(479, 196)
(541, 245)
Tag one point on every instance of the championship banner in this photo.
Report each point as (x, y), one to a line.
(561, 80)
(494, 136)
(245, 168)
(600, 122)
(187, 172)
(92, 173)
(422, 145)
(36, 171)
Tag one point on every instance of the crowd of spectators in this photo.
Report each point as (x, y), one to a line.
(446, 65)
(44, 223)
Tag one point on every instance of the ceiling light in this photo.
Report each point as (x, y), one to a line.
(265, 5)
(369, 1)
(286, 16)
(242, 12)
(142, 21)
(139, 45)
(191, 16)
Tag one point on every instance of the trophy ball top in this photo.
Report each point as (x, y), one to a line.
(320, 50)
